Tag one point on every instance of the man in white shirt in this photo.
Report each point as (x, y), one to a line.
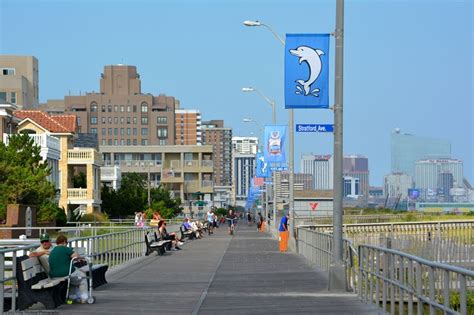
(43, 251)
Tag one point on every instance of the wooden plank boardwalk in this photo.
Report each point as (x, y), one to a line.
(243, 274)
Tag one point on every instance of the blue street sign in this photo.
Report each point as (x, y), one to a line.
(314, 128)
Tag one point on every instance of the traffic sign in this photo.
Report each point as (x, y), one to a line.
(314, 128)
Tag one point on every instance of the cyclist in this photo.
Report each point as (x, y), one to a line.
(231, 217)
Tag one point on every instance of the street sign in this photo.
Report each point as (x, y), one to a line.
(314, 128)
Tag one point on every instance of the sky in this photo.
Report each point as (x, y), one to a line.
(407, 64)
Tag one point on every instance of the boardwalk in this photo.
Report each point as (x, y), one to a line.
(244, 274)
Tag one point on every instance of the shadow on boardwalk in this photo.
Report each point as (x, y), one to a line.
(244, 274)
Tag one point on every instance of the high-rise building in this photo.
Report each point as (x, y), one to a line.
(427, 173)
(120, 114)
(357, 166)
(245, 145)
(188, 127)
(321, 169)
(445, 184)
(397, 185)
(301, 181)
(406, 149)
(214, 133)
(244, 171)
(19, 81)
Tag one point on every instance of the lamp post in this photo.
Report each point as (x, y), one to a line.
(291, 141)
(269, 101)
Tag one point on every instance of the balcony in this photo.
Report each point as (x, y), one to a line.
(207, 166)
(50, 146)
(139, 166)
(207, 186)
(79, 196)
(169, 176)
(83, 156)
(110, 173)
(175, 164)
(191, 186)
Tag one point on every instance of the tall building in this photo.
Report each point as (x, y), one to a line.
(188, 127)
(397, 185)
(445, 184)
(19, 81)
(357, 166)
(120, 114)
(427, 173)
(301, 181)
(214, 133)
(244, 171)
(406, 149)
(321, 169)
(245, 145)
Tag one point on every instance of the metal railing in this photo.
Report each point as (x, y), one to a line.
(115, 249)
(402, 283)
(317, 247)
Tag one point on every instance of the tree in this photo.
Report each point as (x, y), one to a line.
(162, 202)
(23, 175)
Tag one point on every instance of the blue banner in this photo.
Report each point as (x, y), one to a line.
(274, 144)
(307, 71)
(263, 168)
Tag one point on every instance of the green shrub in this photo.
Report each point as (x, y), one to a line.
(49, 211)
(94, 217)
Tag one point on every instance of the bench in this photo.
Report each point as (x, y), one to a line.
(35, 286)
(153, 244)
(98, 270)
(186, 233)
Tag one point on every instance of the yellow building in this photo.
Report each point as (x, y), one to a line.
(56, 135)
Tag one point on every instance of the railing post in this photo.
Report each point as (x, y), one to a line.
(2, 279)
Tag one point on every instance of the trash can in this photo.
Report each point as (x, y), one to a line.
(284, 241)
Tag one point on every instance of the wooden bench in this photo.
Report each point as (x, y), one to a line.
(35, 286)
(153, 244)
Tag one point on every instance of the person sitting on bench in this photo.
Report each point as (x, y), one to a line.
(43, 251)
(59, 264)
(165, 236)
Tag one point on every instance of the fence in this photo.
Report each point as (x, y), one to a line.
(395, 281)
(114, 249)
(390, 279)
(326, 218)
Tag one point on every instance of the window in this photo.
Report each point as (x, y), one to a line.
(161, 120)
(128, 120)
(122, 131)
(162, 132)
(104, 142)
(109, 119)
(134, 120)
(115, 108)
(115, 131)
(129, 131)
(122, 120)
(144, 107)
(144, 142)
(110, 141)
(128, 142)
(93, 107)
(104, 120)
(78, 120)
(162, 141)
(135, 132)
(103, 108)
(110, 131)
(122, 142)
(134, 141)
(128, 108)
(104, 131)
(109, 108)
(122, 108)
(144, 120)
(116, 120)
(144, 131)
(93, 130)
(93, 120)
(13, 97)
(8, 71)
(134, 108)
(3, 97)
(115, 141)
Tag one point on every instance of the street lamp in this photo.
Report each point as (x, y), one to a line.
(291, 137)
(269, 101)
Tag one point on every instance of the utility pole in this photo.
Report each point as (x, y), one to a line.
(337, 272)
